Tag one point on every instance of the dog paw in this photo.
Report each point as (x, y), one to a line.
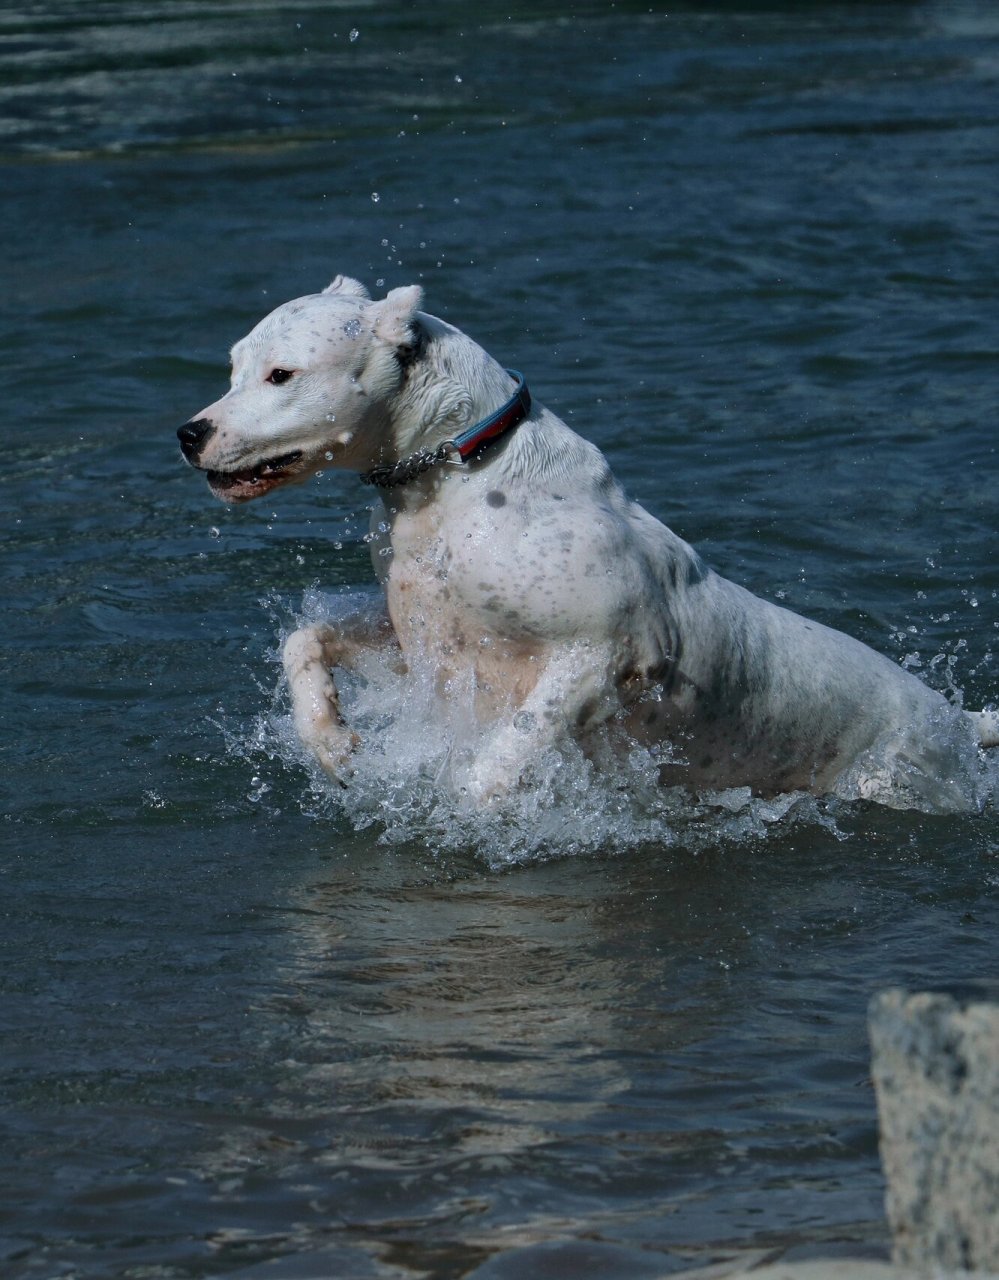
(334, 751)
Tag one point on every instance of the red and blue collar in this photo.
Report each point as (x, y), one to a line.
(467, 444)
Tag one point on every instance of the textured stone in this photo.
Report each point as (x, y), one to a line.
(936, 1071)
(831, 1269)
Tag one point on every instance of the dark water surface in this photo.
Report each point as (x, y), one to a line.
(752, 250)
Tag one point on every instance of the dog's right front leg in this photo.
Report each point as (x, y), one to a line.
(309, 654)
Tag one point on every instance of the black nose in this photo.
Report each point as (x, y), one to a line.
(192, 435)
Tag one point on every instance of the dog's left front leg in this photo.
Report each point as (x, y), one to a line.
(573, 688)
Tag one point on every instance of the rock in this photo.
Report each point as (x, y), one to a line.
(818, 1269)
(936, 1073)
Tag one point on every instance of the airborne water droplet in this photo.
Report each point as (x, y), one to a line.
(354, 33)
(375, 197)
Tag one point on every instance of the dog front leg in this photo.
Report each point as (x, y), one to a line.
(309, 656)
(572, 692)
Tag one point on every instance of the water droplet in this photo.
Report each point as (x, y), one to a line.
(354, 33)
(215, 532)
(380, 283)
(260, 789)
(329, 456)
(375, 197)
(353, 327)
(457, 79)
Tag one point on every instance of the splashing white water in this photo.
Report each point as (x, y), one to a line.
(406, 779)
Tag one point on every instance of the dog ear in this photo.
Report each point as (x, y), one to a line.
(395, 321)
(345, 285)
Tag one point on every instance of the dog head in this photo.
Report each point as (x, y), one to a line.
(313, 385)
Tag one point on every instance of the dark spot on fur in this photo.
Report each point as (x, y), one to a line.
(666, 671)
(496, 499)
(697, 571)
(692, 571)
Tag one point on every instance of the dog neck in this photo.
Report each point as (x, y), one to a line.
(465, 445)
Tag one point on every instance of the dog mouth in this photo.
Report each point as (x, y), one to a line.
(253, 482)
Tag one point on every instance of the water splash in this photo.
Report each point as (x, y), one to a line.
(406, 780)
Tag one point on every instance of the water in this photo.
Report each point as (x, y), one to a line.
(249, 1029)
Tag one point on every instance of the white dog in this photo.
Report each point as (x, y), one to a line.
(513, 564)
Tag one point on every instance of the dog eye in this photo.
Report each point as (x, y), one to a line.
(277, 376)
